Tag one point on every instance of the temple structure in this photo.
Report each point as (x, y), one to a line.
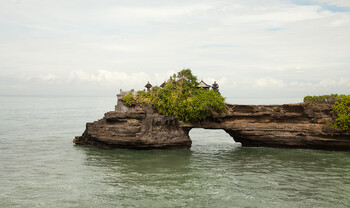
(163, 85)
(203, 85)
(148, 86)
(215, 87)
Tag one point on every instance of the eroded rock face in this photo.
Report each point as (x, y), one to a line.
(288, 126)
(298, 125)
(136, 127)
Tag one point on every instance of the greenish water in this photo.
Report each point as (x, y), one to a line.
(40, 166)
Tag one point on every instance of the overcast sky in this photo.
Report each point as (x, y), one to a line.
(252, 48)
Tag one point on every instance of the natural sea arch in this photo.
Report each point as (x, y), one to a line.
(298, 125)
(212, 137)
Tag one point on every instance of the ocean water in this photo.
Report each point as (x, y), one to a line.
(41, 167)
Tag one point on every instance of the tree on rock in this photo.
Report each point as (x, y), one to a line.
(180, 98)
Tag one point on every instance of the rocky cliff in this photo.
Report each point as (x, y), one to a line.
(135, 127)
(300, 125)
(288, 126)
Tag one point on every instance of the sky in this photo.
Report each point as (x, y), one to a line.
(252, 48)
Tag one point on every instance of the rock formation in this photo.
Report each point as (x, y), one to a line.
(135, 127)
(300, 125)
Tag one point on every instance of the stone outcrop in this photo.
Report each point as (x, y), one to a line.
(135, 127)
(298, 125)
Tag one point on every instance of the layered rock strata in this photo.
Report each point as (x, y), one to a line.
(135, 127)
(299, 125)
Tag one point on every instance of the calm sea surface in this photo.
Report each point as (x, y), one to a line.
(41, 167)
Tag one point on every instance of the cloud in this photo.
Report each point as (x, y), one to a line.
(268, 83)
(274, 29)
(222, 81)
(107, 82)
(151, 13)
(106, 77)
(326, 83)
(275, 46)
(330, 5)
(217, 46)
(49, 78)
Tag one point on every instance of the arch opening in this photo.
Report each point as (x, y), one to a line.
(212, 139)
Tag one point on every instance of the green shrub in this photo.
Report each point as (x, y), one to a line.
(142, 97)
(331, 99)
(182, 99)
(129, 99)
(340, 107)
(342, 110)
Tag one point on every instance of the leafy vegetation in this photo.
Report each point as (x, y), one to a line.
(342, 110)
(129, 99)
(340, 107)
(330, 99)
(180, 98)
